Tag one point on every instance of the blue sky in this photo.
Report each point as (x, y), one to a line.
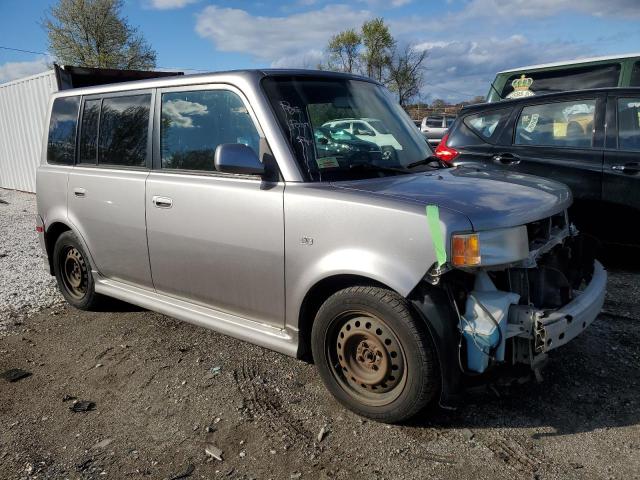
(467, 41)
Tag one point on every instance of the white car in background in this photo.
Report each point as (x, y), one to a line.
(370, 130)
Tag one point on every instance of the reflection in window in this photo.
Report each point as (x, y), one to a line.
(124, 125)
(486, 124)
(564, 124)
(62, 130)
(629, 124)
(89, 132)
(635, 75)
(194, 123)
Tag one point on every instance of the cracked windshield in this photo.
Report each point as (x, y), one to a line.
(345, 129)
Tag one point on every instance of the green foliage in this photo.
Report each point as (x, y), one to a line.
(93, 33)
(378, 43)
(343, 51)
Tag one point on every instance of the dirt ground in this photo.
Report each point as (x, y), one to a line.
(165, 390)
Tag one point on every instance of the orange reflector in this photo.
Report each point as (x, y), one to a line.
(39, 229)
(465, 250)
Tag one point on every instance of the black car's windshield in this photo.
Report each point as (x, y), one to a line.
(335, 126)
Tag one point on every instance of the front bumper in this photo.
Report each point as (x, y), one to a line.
(556, 328)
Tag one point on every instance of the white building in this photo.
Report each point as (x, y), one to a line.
(23, 108)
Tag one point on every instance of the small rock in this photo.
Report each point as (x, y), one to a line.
(272, 451)
(242, 454)
(82, 406)
(322, 433)
(213, 451)
(467, 434)
(296, 475)
(15, 374)
(187, 473)
(104, 443)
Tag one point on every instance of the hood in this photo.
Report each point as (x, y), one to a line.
(488, 198)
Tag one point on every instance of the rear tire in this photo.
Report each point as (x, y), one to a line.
(373, 355)
(73, 273)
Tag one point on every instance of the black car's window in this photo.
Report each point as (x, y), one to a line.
(434, 122)
(449, 121)
(486, 125)
(361, 128)
(581, 78)
(559, 124)
(629, 123)
(124, 126)
(635, 75)
(89, 132)
(195, 123)
(61, 143)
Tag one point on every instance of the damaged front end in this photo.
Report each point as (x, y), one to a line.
(518, 311)
(532, 289)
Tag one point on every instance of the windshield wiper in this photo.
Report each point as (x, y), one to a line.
(430, 161)
(377, 168)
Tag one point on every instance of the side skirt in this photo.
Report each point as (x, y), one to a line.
(281, 340)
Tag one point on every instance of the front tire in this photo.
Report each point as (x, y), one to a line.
(373, 355)
(73, 273)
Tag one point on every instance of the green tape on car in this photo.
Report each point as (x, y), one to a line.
(433, 219)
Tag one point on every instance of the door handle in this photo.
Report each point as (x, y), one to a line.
(506, 159)
(628, 168)
(162, 202)
(80, 192)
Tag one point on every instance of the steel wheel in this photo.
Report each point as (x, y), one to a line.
(74, 272)
(367, 358)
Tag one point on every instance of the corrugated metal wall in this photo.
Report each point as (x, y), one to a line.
(23, 105)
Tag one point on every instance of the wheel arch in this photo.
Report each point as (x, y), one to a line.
(317, 295)
(51, 236)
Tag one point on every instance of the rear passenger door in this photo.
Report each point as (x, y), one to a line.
(561, 140)
(215, 239)
(474, 135)
(106, 189)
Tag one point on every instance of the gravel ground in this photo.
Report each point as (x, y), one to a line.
(167, 392)
(26, 285)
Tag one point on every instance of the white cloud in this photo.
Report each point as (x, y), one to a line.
(13, 70)
(274, 38)
(547, 8)
(180, 112)
(400, 3)
(169, 4)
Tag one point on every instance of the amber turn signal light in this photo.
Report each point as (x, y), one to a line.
(465, 250)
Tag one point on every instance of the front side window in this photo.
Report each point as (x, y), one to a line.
(89, 132)
(635, 75)
(486, 124)
(311, 111)
(61, 143)
(434, 122)
(629, 124)
(560, 124)
(194, 123)
(124, 127)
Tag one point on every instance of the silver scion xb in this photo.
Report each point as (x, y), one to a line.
(236, 201)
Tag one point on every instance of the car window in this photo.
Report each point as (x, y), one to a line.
(124, 126)
(89, 132)
(573, 78)
(562, 124)
(61, 143)
(629, 123)
(361, 128)
(194, 124)
(449, 121)
(635, 75)
(486, 124)
(379, 126)
(434, 122)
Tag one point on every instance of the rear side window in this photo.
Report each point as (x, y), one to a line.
(193, 124)
(629, 124)
(434, 122)
(486, 125)
(559, 124)
(89, 132)
(582, 78)
(124, 127)
(61, 143)
(635, 75)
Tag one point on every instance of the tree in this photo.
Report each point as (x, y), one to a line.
(343, 50)
(378, 43)
(93, 33)
(405, 74)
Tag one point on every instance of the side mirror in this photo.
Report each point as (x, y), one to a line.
(237, 158)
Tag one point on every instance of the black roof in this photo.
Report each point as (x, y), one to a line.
(549, 96)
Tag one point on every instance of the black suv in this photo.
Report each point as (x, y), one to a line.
(588, 139)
